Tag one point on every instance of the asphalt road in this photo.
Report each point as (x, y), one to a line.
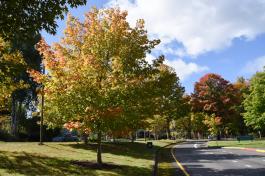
(199, 160)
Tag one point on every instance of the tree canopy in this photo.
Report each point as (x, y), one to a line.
(11, 66)
(217, 97)
(254, 104)
(98, 75)
(169, 94)
(23, 17)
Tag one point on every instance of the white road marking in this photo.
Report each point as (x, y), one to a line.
(248, 165)
(203, 160)
(235, 161)
(195, 145)
(263, 160)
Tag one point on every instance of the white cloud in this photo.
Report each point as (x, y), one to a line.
(254, 66)
(200, 26)
(183, 69)
(149, 58)
(180, 52)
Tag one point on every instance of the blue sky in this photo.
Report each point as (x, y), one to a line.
(225, 37)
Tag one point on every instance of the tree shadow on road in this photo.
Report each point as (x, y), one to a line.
(199, 170)
(197, 161)
(203, 154)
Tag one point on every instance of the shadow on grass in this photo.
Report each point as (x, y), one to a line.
(32, 164)
(135, 150)
(166, 163)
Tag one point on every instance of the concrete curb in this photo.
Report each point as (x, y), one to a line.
(248, 149)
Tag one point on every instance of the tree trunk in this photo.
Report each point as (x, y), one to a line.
(19, 116)
(85, 138)
(189, 129)
(132, 137)
(155, 135)
(199, 135)
(259, 134)
(168, 129)
(13, 117)
(148, 135)
(99, 151)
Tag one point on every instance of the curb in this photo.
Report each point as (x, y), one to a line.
(155, 167)
(179, 164)
(248, 149)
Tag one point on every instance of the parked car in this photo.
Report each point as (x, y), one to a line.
(66, 138)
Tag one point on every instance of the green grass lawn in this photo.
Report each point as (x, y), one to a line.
(250, 144)
(25, 158)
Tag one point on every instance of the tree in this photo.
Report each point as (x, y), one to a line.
(25, 96)
(254, 104)
(197, 123)
(157, 124)
(183, 127)
(183, 117)
(24, 17)
(215, 95)
(238, 125)
(213, 124)
(169, 94)
(20, 23)
(97, 73)
(16, 71)
(11, 66)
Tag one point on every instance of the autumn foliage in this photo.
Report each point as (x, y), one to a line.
(12, 65)
(98, 78)
(216, 96)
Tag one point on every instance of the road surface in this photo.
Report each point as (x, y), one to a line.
(198, 160)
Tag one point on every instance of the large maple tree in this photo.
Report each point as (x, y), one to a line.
(215, 95)
(97, 74)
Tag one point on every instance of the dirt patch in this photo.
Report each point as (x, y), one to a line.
(94, 165)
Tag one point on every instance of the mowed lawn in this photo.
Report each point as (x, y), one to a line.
(25, 158)
(235, 143)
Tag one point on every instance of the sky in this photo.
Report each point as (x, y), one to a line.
(225, 37)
